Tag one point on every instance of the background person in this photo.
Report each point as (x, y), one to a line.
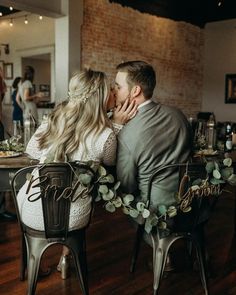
(26, 98)
(17, 114)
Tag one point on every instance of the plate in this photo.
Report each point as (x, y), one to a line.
(9, 154)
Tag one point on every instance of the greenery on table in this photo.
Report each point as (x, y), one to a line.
(12, 144)
(108, 191)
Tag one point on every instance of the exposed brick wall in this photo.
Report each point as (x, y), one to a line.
(112, 33)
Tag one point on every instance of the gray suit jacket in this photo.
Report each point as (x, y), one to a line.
(157, 136)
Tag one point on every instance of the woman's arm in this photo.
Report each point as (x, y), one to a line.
(27, 96)
(18, 100)
(109, 150)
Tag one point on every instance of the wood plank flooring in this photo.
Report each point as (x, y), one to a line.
(109, 245)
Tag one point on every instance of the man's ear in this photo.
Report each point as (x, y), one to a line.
(136, 90)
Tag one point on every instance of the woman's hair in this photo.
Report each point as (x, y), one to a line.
(16, 82)
(83, 114)
(28, 74)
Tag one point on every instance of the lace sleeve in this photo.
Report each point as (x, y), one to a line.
(117, 128)
(109, 150)
(32, 147)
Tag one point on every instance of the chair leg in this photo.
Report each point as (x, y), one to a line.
(36, 249)
(159, 259)
(23, 259)
(138, 239)
(201, 255)
(80, 258)
(202, 266)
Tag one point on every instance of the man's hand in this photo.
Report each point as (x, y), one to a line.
(123, 113)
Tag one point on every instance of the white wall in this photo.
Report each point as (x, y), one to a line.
(219, 60)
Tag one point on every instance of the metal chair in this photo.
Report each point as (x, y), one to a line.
(56, 192)
(185, 225)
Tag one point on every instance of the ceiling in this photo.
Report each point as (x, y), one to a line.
(6, 10)
(196, 12)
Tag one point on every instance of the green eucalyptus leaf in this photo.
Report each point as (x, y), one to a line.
(153, 219)
(102, 171)
(216, 174)
(117, 202)
(98, 198)
(125, 210)
(232, 179)
(145, 213)
(162, 225)
(162, 209)
(128, 199)
(85, 178)
(110, 178)
(148, 226)
(216, 166)
(107, 179)
(103, 189)
(133, 213)
(110, 207)
(172, 211)
(216, 181)
(117, 185)
(226, 172)
(108, 196)
(197, 182)
(140, 206)
(227, 162)
(210, 167)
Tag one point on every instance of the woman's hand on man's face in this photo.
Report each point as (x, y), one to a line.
(123, 113)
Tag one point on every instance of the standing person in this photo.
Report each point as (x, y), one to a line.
(77, 130)
(17, 114)
(157, 136)
(26, 98)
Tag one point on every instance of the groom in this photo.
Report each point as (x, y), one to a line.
(157, 136)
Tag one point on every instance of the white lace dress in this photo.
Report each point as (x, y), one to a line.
(103, 150)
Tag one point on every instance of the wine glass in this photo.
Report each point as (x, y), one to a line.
(17, 130)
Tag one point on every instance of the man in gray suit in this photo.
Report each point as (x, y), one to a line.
(157, 136)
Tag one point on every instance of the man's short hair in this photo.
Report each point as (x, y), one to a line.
(139, 73)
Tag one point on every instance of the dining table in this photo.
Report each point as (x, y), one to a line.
(10, 165)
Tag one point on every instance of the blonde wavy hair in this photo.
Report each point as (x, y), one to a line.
(84, 113)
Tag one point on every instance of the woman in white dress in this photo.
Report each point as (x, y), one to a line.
(78, 129)
(26, 98)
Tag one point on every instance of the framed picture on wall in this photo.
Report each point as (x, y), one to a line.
(8, 71)
(230, 88)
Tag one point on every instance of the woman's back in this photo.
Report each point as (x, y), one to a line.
(77, 130)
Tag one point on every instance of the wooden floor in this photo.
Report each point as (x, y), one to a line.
(109, 242)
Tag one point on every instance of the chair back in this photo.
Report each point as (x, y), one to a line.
(57, 184)
(193, 204)
(55, 180)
